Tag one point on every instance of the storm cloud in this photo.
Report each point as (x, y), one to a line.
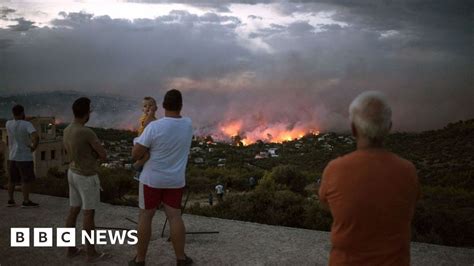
(286, 73)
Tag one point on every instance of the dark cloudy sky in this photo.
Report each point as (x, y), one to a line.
(267, 63)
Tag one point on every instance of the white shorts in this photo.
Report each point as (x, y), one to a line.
(83, 190)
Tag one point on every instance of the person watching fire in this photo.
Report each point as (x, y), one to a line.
(149, 114)
(168, 140)
(370, 192)
(22, 142)
(84, 150)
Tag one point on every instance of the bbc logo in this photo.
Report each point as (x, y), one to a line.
(66, 237)
(42, 237)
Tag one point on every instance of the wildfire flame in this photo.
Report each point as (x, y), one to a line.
(249, 132)
(277, 132)
(232, 128)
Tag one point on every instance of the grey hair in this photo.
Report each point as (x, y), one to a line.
(371, 115)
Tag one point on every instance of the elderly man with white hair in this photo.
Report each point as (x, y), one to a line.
(370, 192)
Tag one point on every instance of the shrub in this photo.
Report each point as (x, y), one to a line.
(199, 184)
(54, 184)
(277, 207)
(316, 217)
(116, 183)
(443, 216)
(289, 176)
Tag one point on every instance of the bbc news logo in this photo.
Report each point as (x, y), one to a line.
(66, 237)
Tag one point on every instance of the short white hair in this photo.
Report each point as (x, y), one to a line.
(371, 115)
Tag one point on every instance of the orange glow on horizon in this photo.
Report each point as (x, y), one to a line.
(276, 133)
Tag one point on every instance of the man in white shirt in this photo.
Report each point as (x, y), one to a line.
(168, 140)
(22, 142)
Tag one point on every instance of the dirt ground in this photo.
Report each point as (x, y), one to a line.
(237, 243)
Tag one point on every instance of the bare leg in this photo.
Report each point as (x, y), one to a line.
(71, 222)
(89, 226)
(144, 233)
(177, 230)
(26, 188)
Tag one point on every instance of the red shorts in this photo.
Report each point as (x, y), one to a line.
(151, 198)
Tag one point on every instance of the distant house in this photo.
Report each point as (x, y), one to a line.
(262, 155)
(50, 152)
(196, 149)
(272, 152)
(327, 146)
(199, 160)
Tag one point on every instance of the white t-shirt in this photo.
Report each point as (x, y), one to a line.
(19, 140)
(169, 141)
(220, 189)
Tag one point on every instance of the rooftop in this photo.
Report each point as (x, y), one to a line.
(238, 243)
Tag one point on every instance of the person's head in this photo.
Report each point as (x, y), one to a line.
(371, 116)
(82, 109)
(18, 111)
(149, 104)
(173, 101)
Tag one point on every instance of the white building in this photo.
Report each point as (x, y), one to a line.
(199, 160)
(262, 155)
(196, 149)
(272, 152)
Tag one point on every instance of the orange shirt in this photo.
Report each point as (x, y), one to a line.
(371, 194)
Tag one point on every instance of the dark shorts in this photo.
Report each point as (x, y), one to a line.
(151, 198)
(21, 172)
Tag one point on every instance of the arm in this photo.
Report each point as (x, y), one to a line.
(141, 144)
(33, 135)
(97, 147)
(138, 151)
(34, 141)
